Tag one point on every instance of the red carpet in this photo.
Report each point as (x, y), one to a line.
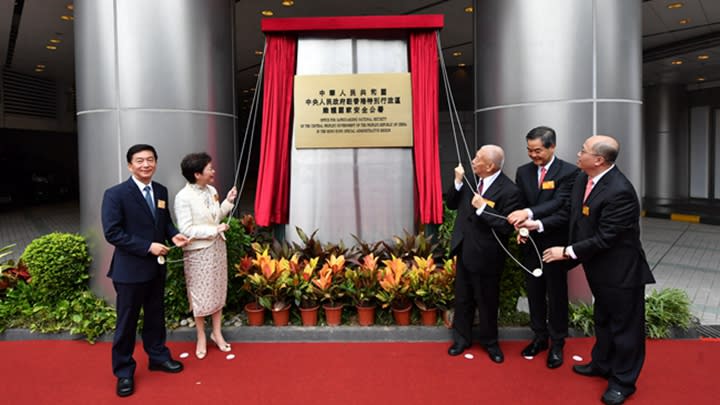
(67, 372)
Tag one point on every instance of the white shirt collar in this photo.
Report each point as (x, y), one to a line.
(547, 166)
(488, 181)
(599, 176)
(141, 185)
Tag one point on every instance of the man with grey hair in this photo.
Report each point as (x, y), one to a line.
(480, 227)
(604, 235)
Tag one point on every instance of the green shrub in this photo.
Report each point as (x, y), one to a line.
(512, 285)
(238, 245)
(581, 318)
(81, 313)
(446, 229)
(58, 264)
(666, 309)
(176, 302)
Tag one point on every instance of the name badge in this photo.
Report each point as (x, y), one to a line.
(161, 204)
(586, 210)
(548, 185)
(490, 203)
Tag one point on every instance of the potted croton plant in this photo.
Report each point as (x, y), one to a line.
(304, 293)
(426, 286)
(395, 289)
(268, 280)
(361, 285)
(328, 284)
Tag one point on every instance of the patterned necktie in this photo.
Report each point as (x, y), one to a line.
(148, 200)
(588, 188)
(480, 187)
(543, 171)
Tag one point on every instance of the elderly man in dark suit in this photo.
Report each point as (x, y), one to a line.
(136, 221)
(603, 215)
(545, 184)
(480, 227)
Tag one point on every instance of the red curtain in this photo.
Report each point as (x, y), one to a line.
(272, 197)
(424, 75)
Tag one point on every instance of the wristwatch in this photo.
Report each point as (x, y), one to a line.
(565, 253)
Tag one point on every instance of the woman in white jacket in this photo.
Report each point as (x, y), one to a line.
(199, 213)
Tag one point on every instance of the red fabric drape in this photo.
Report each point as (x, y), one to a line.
(273, 186)
(424, 76)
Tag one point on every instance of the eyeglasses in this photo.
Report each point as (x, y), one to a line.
(583, 151)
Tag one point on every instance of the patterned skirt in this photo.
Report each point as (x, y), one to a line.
(206, 278)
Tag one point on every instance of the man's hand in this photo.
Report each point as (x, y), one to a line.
(158, 249)
(518, 216)
(231, 194)
(478, 202)
(530, 224)
(180, 240)
(223, 227)
(553, 254)
(459, 173)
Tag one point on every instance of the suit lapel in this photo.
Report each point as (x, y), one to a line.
(601, 185)
(532, 176)
(492, 191)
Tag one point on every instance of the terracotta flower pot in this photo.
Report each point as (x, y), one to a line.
(366, 315)
(281, 317)
(402, 315)
(255, 314)
(333, 314)
(309, 316)
(428, 316)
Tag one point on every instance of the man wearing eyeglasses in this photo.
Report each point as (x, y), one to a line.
(545, 182)
(603, 216)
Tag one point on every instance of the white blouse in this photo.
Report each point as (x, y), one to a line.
(198, 212)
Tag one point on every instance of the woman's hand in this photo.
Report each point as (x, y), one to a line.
(232, 194)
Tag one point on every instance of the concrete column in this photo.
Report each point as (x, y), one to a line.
(157, 72)
(574, 65)
(666, 145)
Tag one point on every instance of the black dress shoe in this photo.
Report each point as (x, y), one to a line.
(535, 347)
(495, 353)
(555, 357)
(588, 370)
(168, 366)
(125, 387)
(457, 349)
(613, 397)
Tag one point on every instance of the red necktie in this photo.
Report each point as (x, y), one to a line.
(543, 171)
(480, 187)
(588, 189)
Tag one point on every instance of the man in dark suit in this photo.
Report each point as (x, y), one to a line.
(480, 227)
(603, 215)
(137, 222)
(545, 184)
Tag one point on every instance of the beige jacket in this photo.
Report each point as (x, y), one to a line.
(198, 212)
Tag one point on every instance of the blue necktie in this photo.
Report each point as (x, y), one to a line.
(148, 200)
